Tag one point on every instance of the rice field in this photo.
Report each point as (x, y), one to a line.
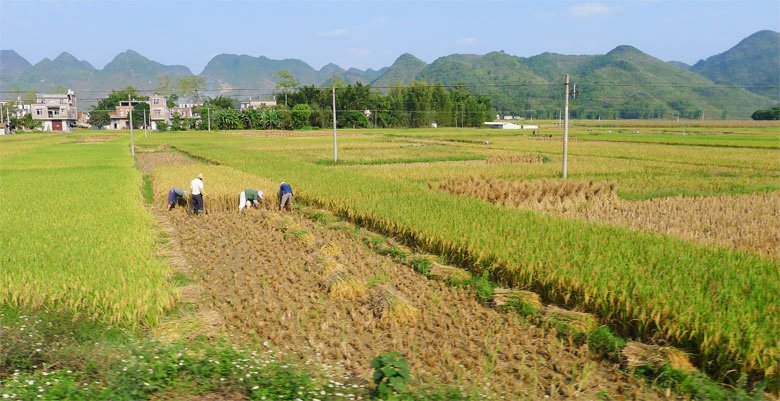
(75, 234)
(668, 234)
(647, 281)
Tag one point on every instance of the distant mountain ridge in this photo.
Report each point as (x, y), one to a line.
(516, 85)
(754, 62)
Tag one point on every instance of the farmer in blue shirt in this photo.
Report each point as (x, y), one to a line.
(285, 196)
(176, 196)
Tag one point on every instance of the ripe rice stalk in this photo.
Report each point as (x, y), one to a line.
(190, 293)
(636, 354)
(203, 323)
(515, 159)
(300, 235)
(342, 285)
(387, 304)
(330, 266)
(448, 273)
(331, 249)
(579, 321)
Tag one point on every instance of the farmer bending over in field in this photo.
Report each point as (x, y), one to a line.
(197, 194)
(285, 196)
(176, 196)
(248, 198)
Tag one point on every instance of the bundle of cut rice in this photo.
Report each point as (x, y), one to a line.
(636, 354)
(342, 285)
(504, 296)
(389, 305)
(579, 321)
(448, 273)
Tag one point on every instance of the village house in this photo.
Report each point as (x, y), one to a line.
(120, 119)
(158, 112)
(56, 112)
(256, 104)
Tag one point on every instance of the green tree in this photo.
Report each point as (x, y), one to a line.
(771, 114)
(191, 87)
(286, 82)
(220, 103)
(98, 115)
(300, 115)
(138, 115)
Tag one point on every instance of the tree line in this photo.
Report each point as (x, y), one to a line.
(418, 104)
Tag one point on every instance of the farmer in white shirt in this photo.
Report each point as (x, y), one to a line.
(197, 194)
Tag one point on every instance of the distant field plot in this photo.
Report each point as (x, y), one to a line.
(74, 232)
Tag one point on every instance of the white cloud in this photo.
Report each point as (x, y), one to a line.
(586, 10)
(467, 41)
(333, 33)
(359, 51)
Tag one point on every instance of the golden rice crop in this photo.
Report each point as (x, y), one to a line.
(536, 194)
(222, 185)
(750, 222)
(514, 159)
(92, 255)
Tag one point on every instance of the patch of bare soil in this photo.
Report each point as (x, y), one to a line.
(319, 293)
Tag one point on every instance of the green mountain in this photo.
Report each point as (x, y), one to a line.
(624, 83)
(754, 62)
(64, 71)
(630, 84)
(404, 69)
(131, 68)
(234, 74)
(12, 66)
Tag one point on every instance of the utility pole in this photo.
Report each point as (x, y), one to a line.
(145, 125)
(208, 112)
(132, 146)
(565, 124)
(335, 141)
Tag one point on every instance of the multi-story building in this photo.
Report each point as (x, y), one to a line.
(120, 119)
(158, 112)
(56, 112)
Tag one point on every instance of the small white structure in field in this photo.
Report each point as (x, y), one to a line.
(505, 125)
(434, 125)
(502, 125)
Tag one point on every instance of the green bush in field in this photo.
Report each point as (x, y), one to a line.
(421, 265)
(603, 342)
(391, 373)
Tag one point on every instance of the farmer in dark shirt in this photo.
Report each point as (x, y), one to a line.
(248, 198)
(285, 196)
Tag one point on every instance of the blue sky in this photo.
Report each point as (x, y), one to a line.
(372, 34)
